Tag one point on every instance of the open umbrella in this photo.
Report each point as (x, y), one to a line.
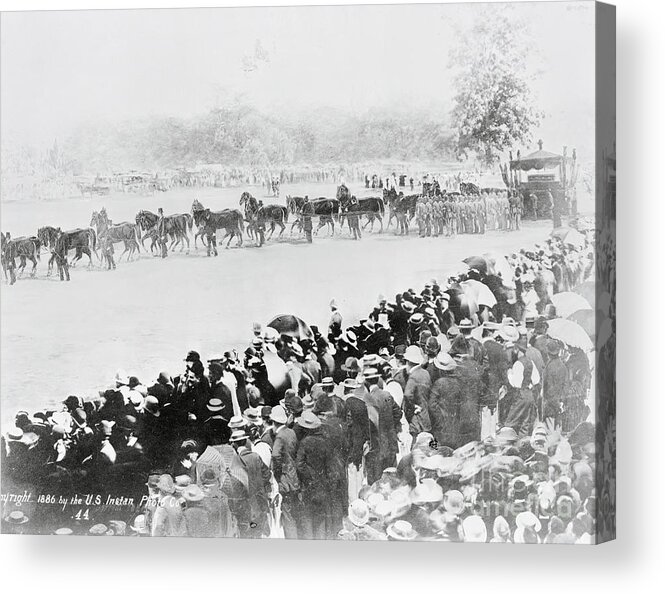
(292, 326)
(586, 318)
(479, 292)
(570, 236)
(571, 333)
(568, 303)
(499, 265)
(477, 262)
(587, 290)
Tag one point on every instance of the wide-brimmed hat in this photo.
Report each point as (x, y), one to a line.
(453, 502)
(444, 362)
(193, 493)
(474, 529)
(14, 434)
(358, 513)
(278, 415)
(308, 420)
(135, 398)
(416, 318)
(401, 530)
(413, 354)
(350, 337)
(408, 307)
(428, 491)
(151, 406)
(528, 519)
(509, 334)
(16, 517)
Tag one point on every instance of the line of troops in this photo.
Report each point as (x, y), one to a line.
(443, 215)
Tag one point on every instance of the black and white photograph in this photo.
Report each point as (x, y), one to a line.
(310, 272)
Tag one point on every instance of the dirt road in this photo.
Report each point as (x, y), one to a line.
(69, 338)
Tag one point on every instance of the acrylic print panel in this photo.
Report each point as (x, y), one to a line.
(279, 273)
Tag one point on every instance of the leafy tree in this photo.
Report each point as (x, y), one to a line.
(494, 107)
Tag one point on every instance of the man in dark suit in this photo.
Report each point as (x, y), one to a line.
(384, 415)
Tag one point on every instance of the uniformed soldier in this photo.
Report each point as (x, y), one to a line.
(420, 216)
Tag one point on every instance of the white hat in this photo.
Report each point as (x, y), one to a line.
(413, 354)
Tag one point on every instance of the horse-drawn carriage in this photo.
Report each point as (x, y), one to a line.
(548, 189)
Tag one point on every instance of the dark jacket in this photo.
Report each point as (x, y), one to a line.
(284, 451)
(358, 429)
(314, 461)
(416, 393)
(555, 383)
(445, 405)
(385, 417)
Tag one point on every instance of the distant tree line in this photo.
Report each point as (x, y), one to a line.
(241, 135)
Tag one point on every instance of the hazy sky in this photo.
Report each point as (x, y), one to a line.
(59, 69)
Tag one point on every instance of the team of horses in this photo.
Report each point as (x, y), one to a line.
(168, 232)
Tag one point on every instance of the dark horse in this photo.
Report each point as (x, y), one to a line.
(258, 217)
(127, 233)
(84, 241)
(373, 207)
(25, 248)
(176, 228)
(399, 203)
(229, 220)
(327, 209)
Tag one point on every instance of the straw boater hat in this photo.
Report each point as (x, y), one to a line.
(253, 416)
(350, 383)
(401, 530)
(237, 422)
(238, 435)
(16, 517)
(63, 532)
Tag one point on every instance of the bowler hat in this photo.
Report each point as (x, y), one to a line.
(192, 356)
(432, 346)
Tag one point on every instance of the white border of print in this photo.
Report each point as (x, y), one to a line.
(32, 563)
